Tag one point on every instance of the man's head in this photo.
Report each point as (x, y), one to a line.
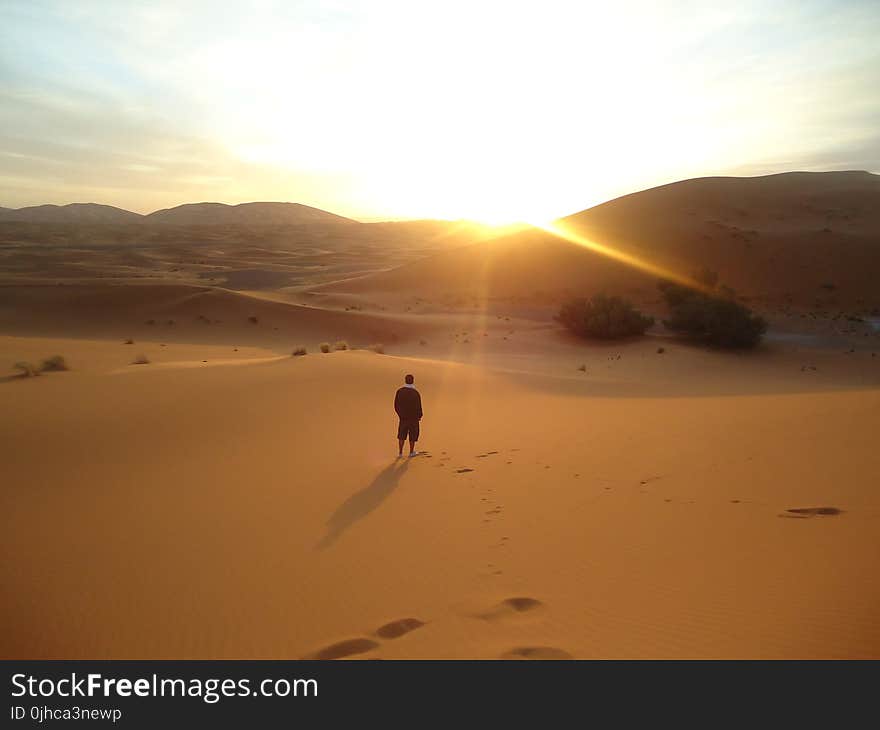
(409, 380)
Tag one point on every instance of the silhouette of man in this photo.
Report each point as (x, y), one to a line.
(408, 407)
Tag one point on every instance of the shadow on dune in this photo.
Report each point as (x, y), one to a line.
(361, 503)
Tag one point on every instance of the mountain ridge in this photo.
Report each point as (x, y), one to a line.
(252, 213)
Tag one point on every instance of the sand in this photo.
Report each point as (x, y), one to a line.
(807, 240)
(255, 509)
(639, 499)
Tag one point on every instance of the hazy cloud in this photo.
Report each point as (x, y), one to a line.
(425, 108)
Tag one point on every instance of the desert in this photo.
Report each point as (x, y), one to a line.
(179, 484)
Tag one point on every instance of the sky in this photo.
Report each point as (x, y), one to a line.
(381, 109)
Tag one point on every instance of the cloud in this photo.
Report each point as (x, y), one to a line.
(415, 108)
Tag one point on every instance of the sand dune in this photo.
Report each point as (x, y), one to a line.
(187, 214)
(237, 256)
(257, 511)
(73, 213)
(187, 489)
(243, 213)
(808, 239)
(180, 313)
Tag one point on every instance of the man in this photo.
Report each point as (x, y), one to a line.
(408, 406)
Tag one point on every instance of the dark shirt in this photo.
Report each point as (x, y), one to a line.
(408, 404)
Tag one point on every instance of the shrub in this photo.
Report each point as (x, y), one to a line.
(128, 342)
(325, 347)
(253, 320)
(341, 345)
(299, 351)
(711, 317)
(603, 317)
(141, 360)
(27, 369)
(55, 363)
(379, 349)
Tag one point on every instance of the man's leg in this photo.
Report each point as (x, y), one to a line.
(413, 437)
(400, 446)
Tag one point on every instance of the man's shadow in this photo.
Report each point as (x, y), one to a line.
(361, 503)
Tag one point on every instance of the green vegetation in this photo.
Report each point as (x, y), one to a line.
(603, 317)
(711, 315)
(55, 363)
(27, 370)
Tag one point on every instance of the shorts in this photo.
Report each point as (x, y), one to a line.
(408, 429)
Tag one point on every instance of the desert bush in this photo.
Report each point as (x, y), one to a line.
(378, 348)
(711, 316)
(128, 342)
(55, 363)
(253, 320)
(340, 345)
(299, 351)
(603, 317)
(325, 347)
(27, 370)
(141, 360)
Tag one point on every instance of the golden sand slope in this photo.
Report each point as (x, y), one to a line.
(776, 238)
(184, 313)
(257, 511)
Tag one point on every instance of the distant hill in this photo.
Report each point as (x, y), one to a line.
(799, 236)
(244, 213)
(72, 213)
(202, 214)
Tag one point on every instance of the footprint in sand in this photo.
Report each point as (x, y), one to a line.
(806, 512)
(342, 649)
(536, 652)
(395, 629)
(510, 607)
(462, 471)
(361, 645)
